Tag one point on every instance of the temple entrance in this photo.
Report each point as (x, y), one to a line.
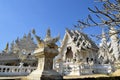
(69, 54)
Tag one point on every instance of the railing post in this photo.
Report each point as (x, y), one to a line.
(5, 69)
(1, 69)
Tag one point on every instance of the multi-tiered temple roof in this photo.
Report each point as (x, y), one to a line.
(20, 51)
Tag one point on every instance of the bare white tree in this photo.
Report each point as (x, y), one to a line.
(108, 15)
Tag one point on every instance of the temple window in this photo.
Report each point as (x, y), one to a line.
(78, 44)
(25, 64)
(83, 43)
(87, 59)
(91, 59)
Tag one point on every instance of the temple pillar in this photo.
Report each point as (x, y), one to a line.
(45, 70)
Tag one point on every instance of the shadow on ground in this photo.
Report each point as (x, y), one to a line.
(101, 78)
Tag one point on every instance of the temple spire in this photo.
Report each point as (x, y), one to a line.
(103, 36)
(103, 40)
(6, 50)
(114, 42)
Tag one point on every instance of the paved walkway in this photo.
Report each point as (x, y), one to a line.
(85, 76)
(14, 78)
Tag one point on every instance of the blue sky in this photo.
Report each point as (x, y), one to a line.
(18, 17)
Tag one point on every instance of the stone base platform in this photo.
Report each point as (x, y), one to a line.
(45, 75)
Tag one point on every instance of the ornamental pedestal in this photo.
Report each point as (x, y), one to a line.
(45, 70)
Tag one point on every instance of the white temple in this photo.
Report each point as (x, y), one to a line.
(78, 54)
(76, 49)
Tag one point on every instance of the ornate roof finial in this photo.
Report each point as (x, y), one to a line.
(24, 36)
(29, 34)
(12, 46)
(103, 38)
(103, 34)
(6, 48)
(17, 40)
(33, 31)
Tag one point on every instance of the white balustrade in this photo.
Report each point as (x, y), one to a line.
(103, 68)
(77, 69)
(15, 70)
(84, 69)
